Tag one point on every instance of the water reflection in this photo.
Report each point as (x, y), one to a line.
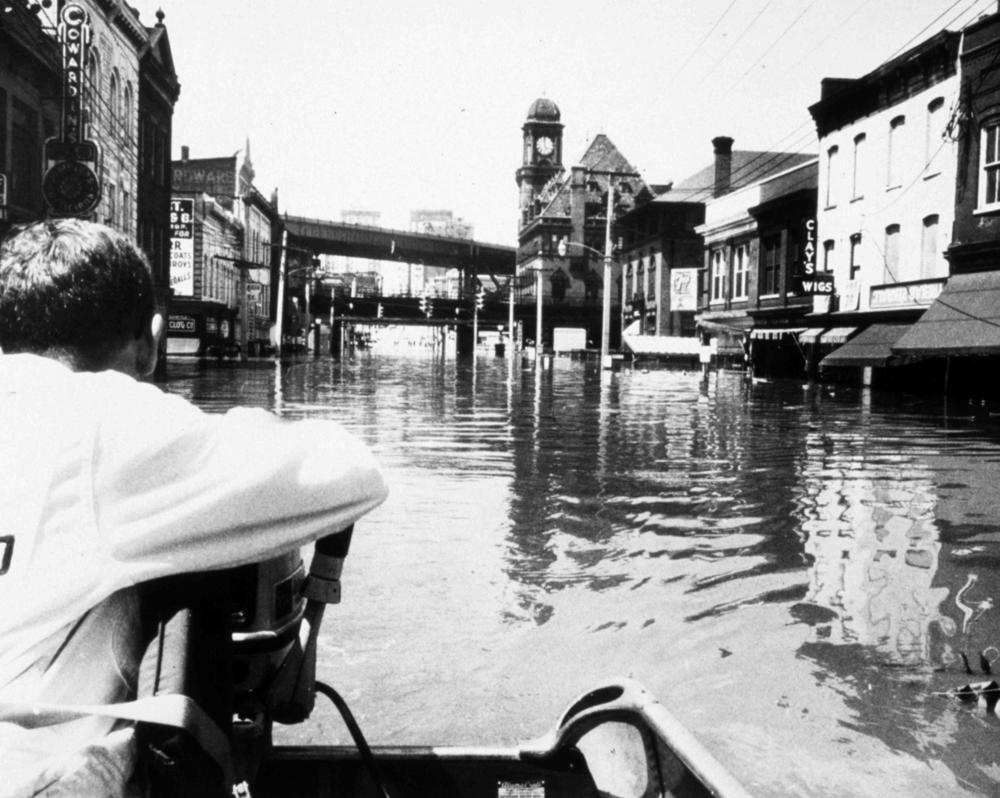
(796, 569)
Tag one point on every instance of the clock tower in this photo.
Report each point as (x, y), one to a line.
(542, 154)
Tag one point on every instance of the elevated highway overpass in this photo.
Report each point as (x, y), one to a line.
(378, 243)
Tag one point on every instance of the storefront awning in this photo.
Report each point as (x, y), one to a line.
(873, 346)
(773, 333)
(732, 326)
(811, 335)
(837, 335)
(963, 320)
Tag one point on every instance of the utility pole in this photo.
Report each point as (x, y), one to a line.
(280, 313)
(606, 298)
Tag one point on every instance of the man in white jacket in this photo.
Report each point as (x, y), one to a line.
(107, 482)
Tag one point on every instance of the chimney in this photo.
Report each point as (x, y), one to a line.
(185, 152)
(723, 165)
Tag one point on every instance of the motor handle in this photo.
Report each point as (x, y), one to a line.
(323, 584)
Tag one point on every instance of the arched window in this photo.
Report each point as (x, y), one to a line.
(94, 88)
(114, 101)
(933, 135)
(894, 173)
(127, 113)
(891, 254)
(832, 164)
(829, 249)
(857, 167)
(929, 249)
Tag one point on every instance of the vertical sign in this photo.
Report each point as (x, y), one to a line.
(182, 247)
(813, 282)
(74, 35)
(70, 184)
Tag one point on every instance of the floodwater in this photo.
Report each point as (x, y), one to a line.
(794, 570)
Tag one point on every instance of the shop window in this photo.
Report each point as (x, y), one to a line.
(989, 165)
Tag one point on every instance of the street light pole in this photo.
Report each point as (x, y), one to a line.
(280, 312)
(606, 298)
(538, 307)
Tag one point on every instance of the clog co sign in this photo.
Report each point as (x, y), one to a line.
(70, 184)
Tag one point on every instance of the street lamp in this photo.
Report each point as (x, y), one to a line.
(606, 305)
(606, 256)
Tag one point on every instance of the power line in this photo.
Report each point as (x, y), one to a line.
(784, 33)
(733, 45)
(694, 52)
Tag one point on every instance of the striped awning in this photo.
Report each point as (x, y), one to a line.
(811, 335)
(872, 347)
(963, 320)
(838, 335)
(773, 333)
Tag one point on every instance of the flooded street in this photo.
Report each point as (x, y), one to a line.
(794, 570)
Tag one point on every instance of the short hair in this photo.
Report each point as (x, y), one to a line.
(72, 288)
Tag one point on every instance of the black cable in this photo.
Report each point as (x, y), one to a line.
(367, 757)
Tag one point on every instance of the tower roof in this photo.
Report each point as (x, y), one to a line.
(543, 110)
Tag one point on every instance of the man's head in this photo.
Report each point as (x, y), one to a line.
(79, 292)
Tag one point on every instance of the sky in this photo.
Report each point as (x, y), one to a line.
(394, 106)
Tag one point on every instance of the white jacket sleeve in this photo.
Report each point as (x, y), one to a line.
(177, 489)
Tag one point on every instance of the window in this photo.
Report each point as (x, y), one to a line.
(929, 254)
(718, 273)
(855, 256)
(989, 170)
(934, 133)
(741, 271)
(112, 217)
(891, 254)
(831, 176)
(894, 174)
(857, 167)
(770, 269)
(115, 101)
(829, 247)
(127, 111)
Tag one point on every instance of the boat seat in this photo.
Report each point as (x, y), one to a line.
(189, 653)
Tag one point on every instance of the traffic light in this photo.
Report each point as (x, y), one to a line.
(423, 304)
(380, 310)
(430, 307)
(480, 296)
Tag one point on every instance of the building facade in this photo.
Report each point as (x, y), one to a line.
(128, 86)
(566, 219)
(886, 195)
(30, 85)
(226, 247)
(755, 251)
(956, 341)
(159, 90)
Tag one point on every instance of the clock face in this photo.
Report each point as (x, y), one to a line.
(544, 146)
